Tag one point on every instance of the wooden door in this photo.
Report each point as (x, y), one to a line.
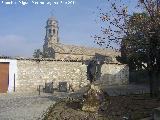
(4, 77)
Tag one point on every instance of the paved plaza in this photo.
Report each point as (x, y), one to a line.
(28, 106)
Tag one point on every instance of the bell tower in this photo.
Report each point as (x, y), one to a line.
(51, 37)
(52, 31)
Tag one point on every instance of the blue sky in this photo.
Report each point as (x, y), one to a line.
(23, 26)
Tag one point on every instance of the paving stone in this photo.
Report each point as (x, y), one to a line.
(24, 106)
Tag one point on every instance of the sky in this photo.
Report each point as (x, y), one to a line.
(22, 27)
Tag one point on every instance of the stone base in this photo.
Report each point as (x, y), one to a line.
(92, 99)
(88, 108)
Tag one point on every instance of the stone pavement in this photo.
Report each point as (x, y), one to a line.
(31, 106)
(28, 106)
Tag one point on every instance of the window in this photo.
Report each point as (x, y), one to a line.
(50, 31)
(49, 22)
(53, 31)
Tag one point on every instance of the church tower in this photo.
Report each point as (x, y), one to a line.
(51, 37)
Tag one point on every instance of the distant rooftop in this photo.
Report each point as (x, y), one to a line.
(47, 59)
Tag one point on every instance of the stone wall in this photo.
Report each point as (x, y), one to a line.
(32, 73)
(115, 74)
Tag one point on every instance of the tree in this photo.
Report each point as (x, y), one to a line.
(138, 36)
(134, 46)
(147, 27)
(37, 53)
(153, 10)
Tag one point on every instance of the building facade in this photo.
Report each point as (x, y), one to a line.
(52, 47)
(25, 74)
(63, 63)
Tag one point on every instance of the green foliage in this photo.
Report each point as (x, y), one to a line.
(134, 45)
(142, 44)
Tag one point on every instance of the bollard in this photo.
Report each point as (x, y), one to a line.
(14, 83)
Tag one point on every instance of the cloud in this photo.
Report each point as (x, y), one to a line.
(15, 45)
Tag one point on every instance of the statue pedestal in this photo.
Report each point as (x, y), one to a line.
(92, 99)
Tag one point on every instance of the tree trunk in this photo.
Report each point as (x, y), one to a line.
(156, 86)
(151, 83)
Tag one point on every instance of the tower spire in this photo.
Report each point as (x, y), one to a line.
(52, 31)
(52, 12)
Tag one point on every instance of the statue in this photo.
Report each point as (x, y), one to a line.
(91, 71)
(94, 97)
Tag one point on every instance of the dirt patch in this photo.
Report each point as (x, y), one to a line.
(68, 111)
(135, 107)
